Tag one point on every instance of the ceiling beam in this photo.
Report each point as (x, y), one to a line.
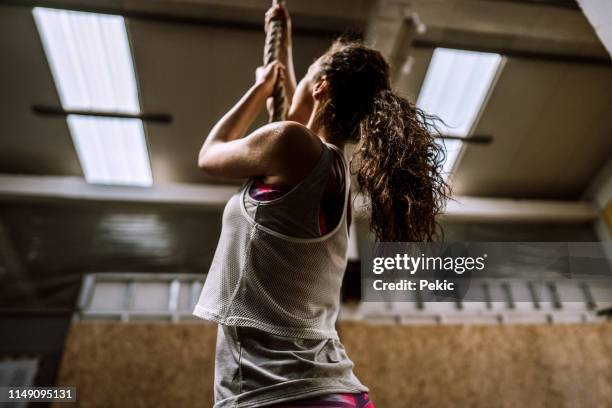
(315, 17)
(568, 4)
(392, 29)
(558, 57)
(465, 208)
(512, 28)
(45, 110)
(512, 19)
(486, 209)
(71, 189)
(530, 29)
(19, 188)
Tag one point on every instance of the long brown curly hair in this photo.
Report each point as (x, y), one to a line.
(398, 161)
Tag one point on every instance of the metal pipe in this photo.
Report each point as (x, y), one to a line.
(164, 118)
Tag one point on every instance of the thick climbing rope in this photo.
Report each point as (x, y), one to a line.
(271, 51)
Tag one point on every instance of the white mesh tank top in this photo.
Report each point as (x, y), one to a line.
(281, 284)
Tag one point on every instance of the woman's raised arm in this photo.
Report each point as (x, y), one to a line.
(280, 149)
(231, 128)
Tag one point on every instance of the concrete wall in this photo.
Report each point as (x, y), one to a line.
(170, 365)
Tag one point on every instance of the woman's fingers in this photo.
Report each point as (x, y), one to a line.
(276, 70)
(281, 71)
(268, 74)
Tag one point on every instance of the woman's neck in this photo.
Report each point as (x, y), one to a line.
(322, 133)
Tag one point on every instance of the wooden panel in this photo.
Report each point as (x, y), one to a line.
(141, 365)
(483, 366)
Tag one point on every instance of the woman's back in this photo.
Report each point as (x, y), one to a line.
(264, 278)
(278, 304)
(312, 210)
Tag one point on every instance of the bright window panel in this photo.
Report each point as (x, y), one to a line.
(90, 59)
(455, 88)
(111, 150)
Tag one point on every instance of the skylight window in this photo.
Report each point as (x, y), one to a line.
(114, 149)
(91, 63)
(455, 88)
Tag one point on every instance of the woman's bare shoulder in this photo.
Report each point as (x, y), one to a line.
(294, 137)
(294, 149)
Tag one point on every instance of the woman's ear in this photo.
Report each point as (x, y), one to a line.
(320, 88)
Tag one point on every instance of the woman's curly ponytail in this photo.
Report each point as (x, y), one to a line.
(400, 168)
(398, 161)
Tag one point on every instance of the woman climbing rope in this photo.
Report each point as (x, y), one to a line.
(274, 283)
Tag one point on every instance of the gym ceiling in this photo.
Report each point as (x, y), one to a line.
(548, 112)
(547, 115)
